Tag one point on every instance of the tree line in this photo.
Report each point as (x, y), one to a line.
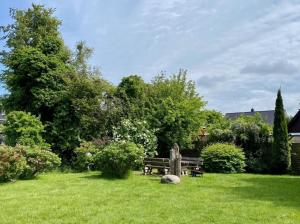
(75, 103)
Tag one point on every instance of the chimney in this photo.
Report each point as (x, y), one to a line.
(252, 110)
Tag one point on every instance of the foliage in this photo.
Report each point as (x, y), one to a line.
(253, 135)
(132, 93)
(281, 157)
(38, 160)
(223, 158)
(137, 132)
(118, 158)
(37, 70)
(85, 156)
(81, 56)
(74, 102)
(175, 111)
(44, 78)
(36, 62)
(218, 127)
(25, 161)
(12, 163)
(212, 117)
(221, 135)
(87, 94)
(250, 133)
(131, 87)
(23, 128)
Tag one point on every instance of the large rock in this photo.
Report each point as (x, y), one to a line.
(170, 179)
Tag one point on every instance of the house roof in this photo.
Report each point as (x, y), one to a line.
(267, 115)
(294, 124)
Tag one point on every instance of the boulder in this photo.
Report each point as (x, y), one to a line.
(170, 179)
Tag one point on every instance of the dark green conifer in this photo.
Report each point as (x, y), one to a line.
(281, 151)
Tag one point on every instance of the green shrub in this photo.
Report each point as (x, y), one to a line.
(223, 158)
(23, 128)
(38, 160)
(85, 157)
(25, 162)
(12, 163)
(118, 158)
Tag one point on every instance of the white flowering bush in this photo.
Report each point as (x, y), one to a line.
(137, 132)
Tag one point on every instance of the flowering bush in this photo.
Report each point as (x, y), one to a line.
(38, 160)
(137, 132)
(12, 163)
(25, 162)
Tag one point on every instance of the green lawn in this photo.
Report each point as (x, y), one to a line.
(87, 198)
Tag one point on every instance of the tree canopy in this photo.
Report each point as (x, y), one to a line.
(66, 101)
(73, 101)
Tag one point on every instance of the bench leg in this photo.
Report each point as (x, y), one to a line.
(146, 170)
(166, 171)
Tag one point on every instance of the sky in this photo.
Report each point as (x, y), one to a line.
(239, 53)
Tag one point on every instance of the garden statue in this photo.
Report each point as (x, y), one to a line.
(175, 161)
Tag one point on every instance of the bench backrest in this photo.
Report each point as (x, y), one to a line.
(191, 161)
(185, 161)
(164, 162)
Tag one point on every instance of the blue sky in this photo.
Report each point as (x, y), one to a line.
(238, 52)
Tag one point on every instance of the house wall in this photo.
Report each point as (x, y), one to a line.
(295, 156)
(295, 126)
(296, 139)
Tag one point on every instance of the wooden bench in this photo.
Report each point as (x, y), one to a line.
(161, 164)
(193, 164)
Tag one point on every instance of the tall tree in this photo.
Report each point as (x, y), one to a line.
(175, 111)
(281, 151)
(44, 79)
(38, 72)
(36, 63)
(81, 57)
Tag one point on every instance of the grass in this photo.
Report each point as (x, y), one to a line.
(87, 198)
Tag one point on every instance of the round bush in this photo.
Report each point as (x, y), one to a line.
(23, 128)
(25, 162)
(38, 160)
(118, 158)
(223, 158)
(12, 163)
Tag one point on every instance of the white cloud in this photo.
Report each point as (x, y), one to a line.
(239, 52)
(269, 68)
(264, 50)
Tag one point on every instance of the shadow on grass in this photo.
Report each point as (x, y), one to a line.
(101, 176)
(7, 182)
(19, 180)
(280, 190)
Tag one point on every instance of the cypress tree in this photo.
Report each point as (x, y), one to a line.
(281, 151)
